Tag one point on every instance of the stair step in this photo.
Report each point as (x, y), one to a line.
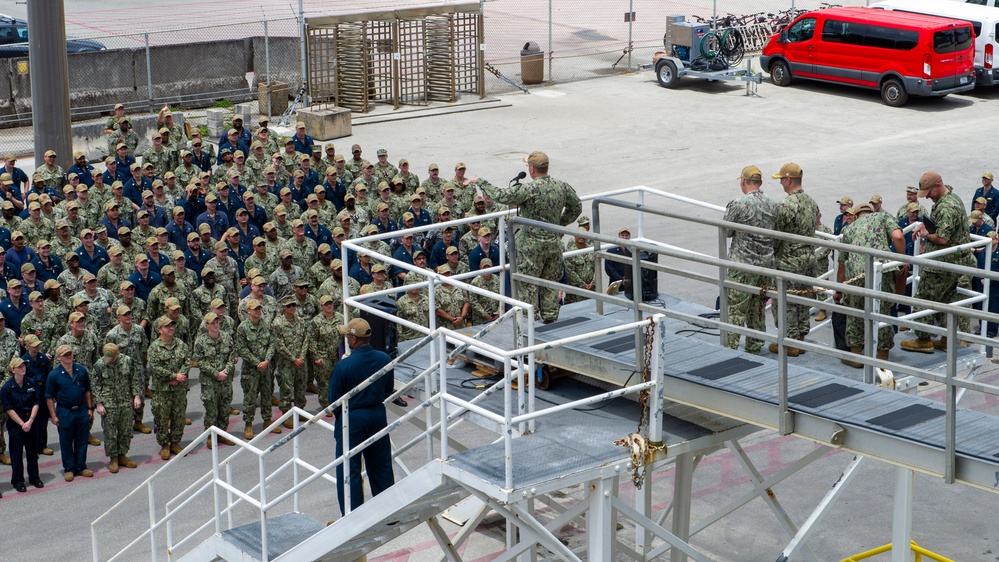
(283, 533)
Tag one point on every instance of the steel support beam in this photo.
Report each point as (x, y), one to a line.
(48, 66)
(682, 483)
(901, 528)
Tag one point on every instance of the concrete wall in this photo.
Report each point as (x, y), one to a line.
(190, 75)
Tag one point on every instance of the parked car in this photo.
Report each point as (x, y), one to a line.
(900, 54)
(983, 19)
(14, 40)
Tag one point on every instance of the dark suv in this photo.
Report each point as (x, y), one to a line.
(14, 39)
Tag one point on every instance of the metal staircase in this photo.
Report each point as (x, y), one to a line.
(416, 499)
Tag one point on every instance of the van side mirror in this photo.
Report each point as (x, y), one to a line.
(783, 36)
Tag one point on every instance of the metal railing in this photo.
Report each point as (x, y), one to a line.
(517, 416)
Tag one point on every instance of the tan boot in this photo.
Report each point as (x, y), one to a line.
(187, 421)
(920, 345)
(68, 476)
(87, 473)
(126, 462)
(274, 401)
(225, 441)
(141, 428)
(93, 440)
(175, 448)
(165, 452)
(233, 412)
(883, 354)
(940, 344)
(820, 316)
(148, 394)
(288, 423)
(208, 443)
(267, 423)
(773, 348)
(4, 459)
(312, 388)
(248, 431)
(113, 465)
(857, 350)
(47, 451)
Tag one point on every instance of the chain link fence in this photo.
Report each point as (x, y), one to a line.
(188, 69)
(594, 39)
(197, 67)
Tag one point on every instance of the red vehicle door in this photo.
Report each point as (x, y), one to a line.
(801, 46)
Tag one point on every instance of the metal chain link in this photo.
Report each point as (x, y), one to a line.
(638, 442)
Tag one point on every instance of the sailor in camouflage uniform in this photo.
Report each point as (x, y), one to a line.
(414, 307)
(117, 389)
(878, 231)
(757, 210)
(291, 347)
(168, 364)
(578, 269)
(255, 345)
(213, 355)
(948, 228)
(131, 340)
(452, 302)
(324, 344)
(200, 302)
(797, 214)
(539, 252)
(484, 308)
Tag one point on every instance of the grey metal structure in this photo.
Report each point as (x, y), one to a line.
(701, 397)
(49, 67)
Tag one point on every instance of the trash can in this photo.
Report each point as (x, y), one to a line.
(276, 99)
(532, 64)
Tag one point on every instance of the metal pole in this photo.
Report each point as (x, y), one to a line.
(901, 528)
(267, 66)
(301, 40)
(49, 70)
(549, 42)
(149, 75)
(631, 24)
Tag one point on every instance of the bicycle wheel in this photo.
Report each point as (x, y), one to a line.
(710, 45)
(733, 46)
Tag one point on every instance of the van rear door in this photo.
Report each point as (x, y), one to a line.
(951, 58)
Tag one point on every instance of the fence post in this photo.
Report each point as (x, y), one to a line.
(550, 55)
(631, 25)
(149, 75)
(267, 66)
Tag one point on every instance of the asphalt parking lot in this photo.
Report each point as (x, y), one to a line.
(607, 134)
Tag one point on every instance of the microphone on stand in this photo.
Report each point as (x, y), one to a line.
(519, 177)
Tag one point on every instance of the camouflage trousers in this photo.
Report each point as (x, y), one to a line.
(746, 309)
(543, 260)
(941, 286)
(292, 382)
(258, 387)
(797, 317)
(217, 398)
(855, 324)
(140, 411)
(117, 425)
(169, 410)
(323, 375)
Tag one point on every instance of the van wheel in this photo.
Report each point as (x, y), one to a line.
(893, 93)
(667, 75)
(780, 74)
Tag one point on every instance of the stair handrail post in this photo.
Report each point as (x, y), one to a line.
(262, 469)
(295, 446)
(152, 521)
(345, 439)
(228, 495)
(656, 365)
(438, 355)
(507, 423)
(213, 437)
(442, 352)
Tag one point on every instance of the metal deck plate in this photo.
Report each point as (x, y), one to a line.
(283, 532)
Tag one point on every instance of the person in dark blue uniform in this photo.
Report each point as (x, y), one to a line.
(478, 254)
(367, 413)
(20, 399)
(82, 169)
(38, 368)
(991, 195)
(71, 407)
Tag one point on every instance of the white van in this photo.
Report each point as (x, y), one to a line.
(984, 20)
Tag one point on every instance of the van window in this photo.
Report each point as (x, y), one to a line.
(850, 33)
(977, 2)
(952, 40)
(802, 30)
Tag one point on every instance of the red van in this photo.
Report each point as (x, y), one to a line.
(898, 53)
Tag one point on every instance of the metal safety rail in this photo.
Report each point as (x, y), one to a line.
(517, 417)
(678, 257)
